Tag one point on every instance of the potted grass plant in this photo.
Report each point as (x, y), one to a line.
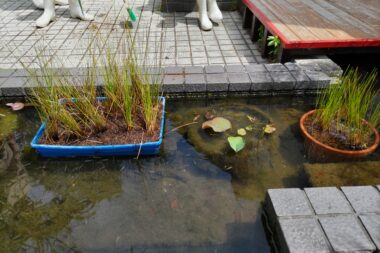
(128, 119)
(344, 125)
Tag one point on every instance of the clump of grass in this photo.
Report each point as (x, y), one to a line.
(71, 108)
(345, 104)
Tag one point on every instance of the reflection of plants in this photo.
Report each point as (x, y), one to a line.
(261, 35)
(274, 44)
(345, 104)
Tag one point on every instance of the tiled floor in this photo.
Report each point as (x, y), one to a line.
(175, 38)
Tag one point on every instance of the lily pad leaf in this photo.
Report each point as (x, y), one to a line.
(269, 129)
(218, 124)
(252, 119)
(236, 143)
(249, 128)
(16, 106)
(241, 132)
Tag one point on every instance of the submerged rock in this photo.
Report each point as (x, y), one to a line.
(343, 174)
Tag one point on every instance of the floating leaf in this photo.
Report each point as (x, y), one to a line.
(16, 106)
(241, 132)
(249, 128)
(236, 143)
(269, 129)
(252, 119)
(218, 124)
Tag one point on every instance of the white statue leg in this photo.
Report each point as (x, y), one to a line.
(214, 12)
(40, 3)
(77, 12)
(204, 21)
(48, 15)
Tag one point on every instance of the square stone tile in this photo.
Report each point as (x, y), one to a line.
(235, 68)
(261, 81)
(255, 68)
(328, 200)
(214, 69)
(274, 67)
(371, 223)
(217, 82)
(282, 80)
(239, 82)
(364, 199)
(289, 202)
(195, 83)
(303, 235)
(346, 234)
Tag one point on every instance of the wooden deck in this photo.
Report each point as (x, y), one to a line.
(317, 24)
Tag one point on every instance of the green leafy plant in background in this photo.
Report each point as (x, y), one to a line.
(274, 43)
(345, 104)
(261, 35)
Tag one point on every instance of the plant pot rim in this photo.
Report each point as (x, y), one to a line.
(355, 153)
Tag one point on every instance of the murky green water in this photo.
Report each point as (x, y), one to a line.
(197, 196)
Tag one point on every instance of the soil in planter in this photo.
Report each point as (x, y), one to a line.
(114, 133)
(333, 139)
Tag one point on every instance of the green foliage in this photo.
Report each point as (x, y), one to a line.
(345, 104)
(129, 90)
(236, 143)
(274, 43)
(261, 35)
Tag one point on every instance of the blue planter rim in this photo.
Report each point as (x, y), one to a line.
(98, 148)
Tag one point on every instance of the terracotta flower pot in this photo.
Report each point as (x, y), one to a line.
(322, 152)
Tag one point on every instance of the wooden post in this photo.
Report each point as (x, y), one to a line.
(265, 51)
(255, 28)
(247, 18)
(283, 54)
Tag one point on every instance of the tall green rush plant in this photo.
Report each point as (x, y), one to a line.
(345, 104)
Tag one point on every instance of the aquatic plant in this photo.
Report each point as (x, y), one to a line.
(346, 104)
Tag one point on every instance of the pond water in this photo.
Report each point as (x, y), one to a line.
(198, 195)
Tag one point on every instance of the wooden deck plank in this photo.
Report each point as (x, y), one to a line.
(320, 23)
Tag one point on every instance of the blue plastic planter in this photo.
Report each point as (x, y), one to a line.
(147, 148)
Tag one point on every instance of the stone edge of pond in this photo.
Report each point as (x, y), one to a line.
(324, 219)
(301, 76)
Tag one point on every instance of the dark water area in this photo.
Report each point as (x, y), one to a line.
(364, 62)
(198, 195)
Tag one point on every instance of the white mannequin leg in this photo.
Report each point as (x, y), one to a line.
(214, 12)
(48, 15)
(61, 2)
(77, 12)
(203, 17)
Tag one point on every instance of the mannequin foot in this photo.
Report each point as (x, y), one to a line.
(77, 13)
(205, 23)
(61, 2)
(45, 19)
(214, 12)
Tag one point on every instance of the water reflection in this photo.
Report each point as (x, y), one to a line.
(184, 200)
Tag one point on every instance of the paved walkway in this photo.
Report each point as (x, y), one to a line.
(325, 219)
(67, 40)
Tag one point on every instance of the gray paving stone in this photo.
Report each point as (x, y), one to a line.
(253, 68)
(346, 234)
(195, 83)
(291, 66)
(274, 67)
(318, 79)
(364, 199)
(6, 72)
(173, 70)
(217, 82)
(303, 235)
(239, 82)
(289, 202)
(302, 80)
(214, 69)
(283, 80)
(13, 87)
(194, 70)
(261, 81)
(378, 187)
(328, 200)
(235, 68)
(173, 84)
(371, 223)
